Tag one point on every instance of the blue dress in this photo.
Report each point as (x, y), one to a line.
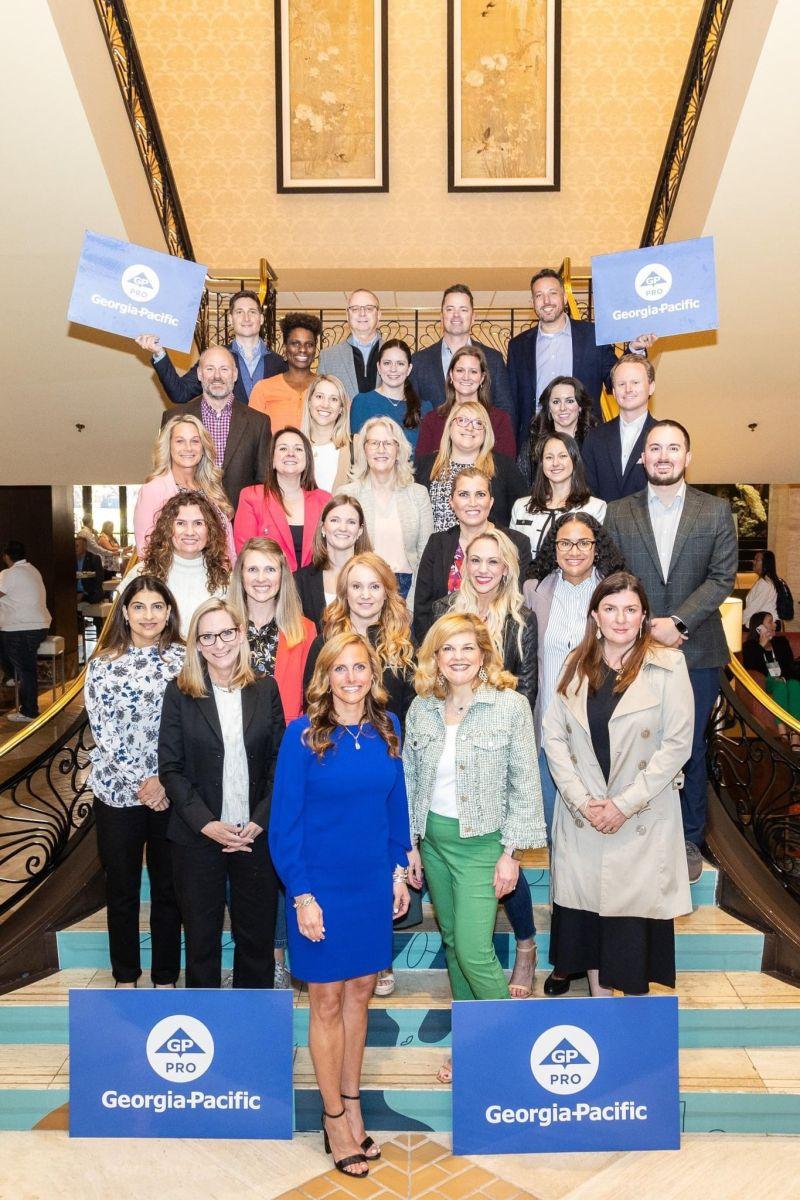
(337, 829)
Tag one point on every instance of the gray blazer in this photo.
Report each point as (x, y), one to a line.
(701, 571)
(338, 360)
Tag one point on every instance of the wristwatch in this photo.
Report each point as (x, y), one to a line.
(515, 854)
(681, 626)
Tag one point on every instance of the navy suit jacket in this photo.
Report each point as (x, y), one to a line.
(181, 389)
(427, 377)
(590, 363)
(602, 460)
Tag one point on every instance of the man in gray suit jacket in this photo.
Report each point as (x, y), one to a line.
(681, 543)
(355, 361)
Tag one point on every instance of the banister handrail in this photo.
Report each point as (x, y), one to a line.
(743, 676)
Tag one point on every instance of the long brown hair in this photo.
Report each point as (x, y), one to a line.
(319, 550)
(586, 661)
(319, 698)
(393, 642)
(159, 552)
(308, 481)
(484, 395)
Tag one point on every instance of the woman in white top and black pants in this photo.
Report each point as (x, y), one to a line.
(220, 732)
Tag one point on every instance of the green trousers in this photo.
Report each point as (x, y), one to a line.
(460, 873)
(786, 692)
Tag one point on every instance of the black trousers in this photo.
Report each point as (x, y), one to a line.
(19, 651)
(124, 836)
(203, 874)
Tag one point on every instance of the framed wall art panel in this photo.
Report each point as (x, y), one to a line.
(331, 95)
(503, 77)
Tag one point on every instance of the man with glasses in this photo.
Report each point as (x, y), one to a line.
(252, 356)
(355, 362)
(431, 364)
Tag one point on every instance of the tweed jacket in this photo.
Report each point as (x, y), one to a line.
(416, 520)
(701, 572)
(495, 758)
(639, 871)
(338, 360)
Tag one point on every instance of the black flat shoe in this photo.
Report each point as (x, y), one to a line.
(553, 986)
(352, 1159)
(368, 1142)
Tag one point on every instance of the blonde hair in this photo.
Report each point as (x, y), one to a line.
(341, 430)
(429, 681)
(320, 706)
(207, 475)
(508, 602)
(288, 610)
(404, 476)
(485, 460)
(393, 642)
(193, 676)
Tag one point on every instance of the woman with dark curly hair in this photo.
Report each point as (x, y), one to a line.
(187, 551)
(339, 837)
(559, 486)
(564, 407)
(575, 556)
(281, 396)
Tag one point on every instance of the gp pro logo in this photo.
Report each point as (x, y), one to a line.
(564, 1059)
(180, 1049)
(140, 282)
(653, 281)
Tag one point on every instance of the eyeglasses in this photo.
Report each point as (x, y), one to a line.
(582, 543)
(468, 422)
(379, 444)
(226, 636)
(363, 308)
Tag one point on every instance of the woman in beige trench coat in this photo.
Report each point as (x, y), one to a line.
(616, 736)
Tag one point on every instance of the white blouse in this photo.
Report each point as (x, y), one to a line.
(235, 773)
(762, 597)
(537, 525)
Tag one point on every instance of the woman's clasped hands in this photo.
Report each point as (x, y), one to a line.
(604, 816)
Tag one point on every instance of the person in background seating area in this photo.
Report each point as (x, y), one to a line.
(355, 361)
(770, 653)
(281, 396)
(252, 357)
(124, 690)
(763, 595)
(90, 588)
(24, 622)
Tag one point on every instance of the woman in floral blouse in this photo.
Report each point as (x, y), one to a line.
(125, 684)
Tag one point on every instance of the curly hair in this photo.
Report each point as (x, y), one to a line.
(428, 681)
(484, 395)
(607, 555)
(159, 551)
(320, 707)
(542, 423)
(485, 460)
(393, 643)
(207, 475)
(299, 320)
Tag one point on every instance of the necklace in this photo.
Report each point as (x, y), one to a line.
(355, 736)
(617, 671)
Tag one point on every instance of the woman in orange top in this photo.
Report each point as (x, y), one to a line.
(281, 396)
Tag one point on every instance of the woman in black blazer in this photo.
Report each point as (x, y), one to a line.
(341, 533)
(439, 571)
(468, 440)
(221, 727)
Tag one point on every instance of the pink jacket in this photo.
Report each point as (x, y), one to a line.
(260, 514)
(151, 499)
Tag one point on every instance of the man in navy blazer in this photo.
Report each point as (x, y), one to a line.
(253, 357)
(558, 345)
(430, 365)
(612, 452)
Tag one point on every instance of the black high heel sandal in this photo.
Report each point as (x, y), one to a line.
(352, 1159)
(368, 1142)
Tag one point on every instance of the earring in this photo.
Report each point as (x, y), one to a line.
(641, 630)
(440, 680)
(598, 634)
(323, 535)
(503, 578)
(482, 675)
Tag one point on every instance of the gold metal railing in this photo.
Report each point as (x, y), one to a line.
(748, 683)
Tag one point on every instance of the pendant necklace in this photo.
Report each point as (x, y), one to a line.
(355, 736)
(617, 671)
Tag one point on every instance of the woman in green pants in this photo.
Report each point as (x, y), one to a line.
(474, 797)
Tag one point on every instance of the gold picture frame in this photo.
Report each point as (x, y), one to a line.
(331, 60)
(504, 93)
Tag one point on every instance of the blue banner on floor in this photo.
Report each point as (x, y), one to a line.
(129, 289)
(543, 1076)
(187, 1064)
(661, 289)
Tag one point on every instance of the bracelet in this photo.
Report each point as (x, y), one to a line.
(304, 903)
(400, 874)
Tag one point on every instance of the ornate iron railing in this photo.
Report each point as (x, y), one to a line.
(699, 69)
(757, 779)
(44, 808)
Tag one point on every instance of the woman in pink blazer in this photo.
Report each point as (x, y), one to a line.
(288, 506)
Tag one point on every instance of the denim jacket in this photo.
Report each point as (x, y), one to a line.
(495, 765)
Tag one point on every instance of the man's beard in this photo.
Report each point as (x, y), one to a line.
(665, 480)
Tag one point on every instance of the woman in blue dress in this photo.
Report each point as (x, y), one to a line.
(339, 838)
